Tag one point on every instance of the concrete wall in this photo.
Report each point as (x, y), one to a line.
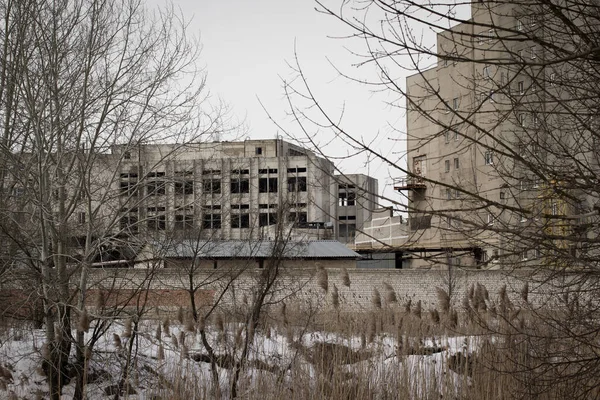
(301, 286)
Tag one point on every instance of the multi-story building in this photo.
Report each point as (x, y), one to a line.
(487, 149)
(239, 190)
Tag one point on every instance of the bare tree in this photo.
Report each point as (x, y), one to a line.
(82, 85)
(502, 136)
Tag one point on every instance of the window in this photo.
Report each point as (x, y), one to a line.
(533, 52)
(186, 187)
(448, 194)
(129, 223)
(347, 217)
(486, 72)
(502, 195)
(127, 155)
(81, 217)
(519, 25)
(267, 171)
(447, 166)
(210, 186)
(156, 188)
(455, 103)
(489, 157)
(294, 170)
(266, 219)
(457, 194)
(490, 219)
(521, 87)
(524, 255)
(240, 185)
(184, 222)
(346, 199)
(128, 188)
(297, 184)
(447, 135)
(347, 230)
(490, 36)
(536, 120)
(491, 96)
(522, 119)
(455, 135)
(554, 208)
(240, 171)
(532, 20)
(523, 184)
(299, 219)
(267, 185)
(480, 38)
(523, 218)
(552, 79)
(502, 79)
(456, 163)
(240, 220)
(211, 221)
(157, 223)
(258, 151)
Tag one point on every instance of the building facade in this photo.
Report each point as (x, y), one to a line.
(239, 190)
(493, 138)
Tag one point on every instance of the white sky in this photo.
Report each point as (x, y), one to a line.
(246, 47)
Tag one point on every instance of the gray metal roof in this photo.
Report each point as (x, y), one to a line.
(254, 249)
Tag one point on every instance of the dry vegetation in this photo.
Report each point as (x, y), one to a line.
(483, 347)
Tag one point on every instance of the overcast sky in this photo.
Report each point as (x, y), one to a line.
(247, 45)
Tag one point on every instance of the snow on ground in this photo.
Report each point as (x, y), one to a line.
(20, 354)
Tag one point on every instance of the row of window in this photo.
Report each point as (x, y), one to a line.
(210, 221)
(447, 164)
(213, 186)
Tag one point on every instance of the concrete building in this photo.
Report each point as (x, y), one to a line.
(473, 138)
(239, 190)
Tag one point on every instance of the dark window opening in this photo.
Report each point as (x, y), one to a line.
(266, 219)
(129, 223)
(240, 171)
(211, 221)
(185, 187)
(297, 184)
(211, 172)
(300, 219)
(157, 223)
(347, 217)
(258, 151)
(184, 222)
(127, 155)
(347, 230)
(267, 206)
(156, 188)
(267, 171)
(267, 185)
(423, 222)
(295, 170)
(240, 206)
(240, 186)
(212, 186)
(128, 188)
(240, 220)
